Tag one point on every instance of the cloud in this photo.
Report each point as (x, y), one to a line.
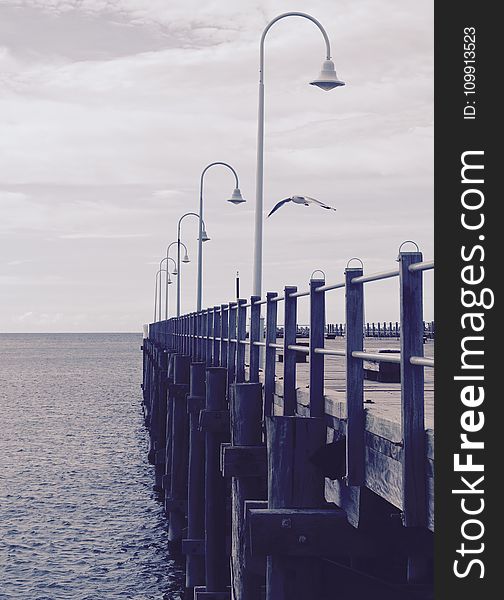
(109, 111)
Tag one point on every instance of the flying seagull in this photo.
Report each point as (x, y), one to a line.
(306, 200)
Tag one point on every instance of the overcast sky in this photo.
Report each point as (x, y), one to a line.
(110, 109)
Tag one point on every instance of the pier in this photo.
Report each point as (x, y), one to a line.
(291, 479)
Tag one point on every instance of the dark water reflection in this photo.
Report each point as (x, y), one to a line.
(78, 518)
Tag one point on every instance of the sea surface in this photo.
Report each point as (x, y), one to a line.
(78, 516)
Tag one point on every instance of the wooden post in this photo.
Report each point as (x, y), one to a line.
(412, 394)
(354, 307)
(209, 333)
(224, 334)
(231, 357)
(176, 503)
(158, 427)
(317, 325)
(216, 525)
(289, 356)
(194, 545)
(246, 430)
(294, 482)
(255, 336)
(412, 408)
(216, 336)
(270, 354)
(241, 338)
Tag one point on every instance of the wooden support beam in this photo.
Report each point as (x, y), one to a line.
(317, 326)
(244, 461)
(255, 336)
(294, 482)
(241, 337)
(179, 450)
(270, 354)
(246, 434)
(195, 563)
(354, 308)
(216, 525)
(214, 420)
(231, 347)
(307, 532)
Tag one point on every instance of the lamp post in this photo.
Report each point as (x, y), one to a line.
(236, 198)
(156, 296)
(175, 270)
(327, 80)
(168, 281)
(205, 238)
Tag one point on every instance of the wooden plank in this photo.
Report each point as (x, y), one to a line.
(244, 461)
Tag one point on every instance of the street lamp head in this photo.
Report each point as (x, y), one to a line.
(204, 236)
(327, 80)
(186, 258)
(174, 272)
(236, 197)
(169, 279)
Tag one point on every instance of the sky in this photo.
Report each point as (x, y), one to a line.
(110, 110)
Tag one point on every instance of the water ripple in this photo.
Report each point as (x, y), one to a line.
(78, 518)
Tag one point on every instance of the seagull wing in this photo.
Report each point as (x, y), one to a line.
(278, 205)
(319, 203)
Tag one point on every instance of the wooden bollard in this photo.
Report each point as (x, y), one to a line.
(294, 482)
(176, 500)
(193, 546)
(214, 421)
(246, 433)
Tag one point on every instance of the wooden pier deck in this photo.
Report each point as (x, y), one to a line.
(322, 449)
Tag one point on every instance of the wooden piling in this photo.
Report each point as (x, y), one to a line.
(193, 546)
(294, 482)
(289, 356)
(176, 502)
(246, 432)
(216, 429)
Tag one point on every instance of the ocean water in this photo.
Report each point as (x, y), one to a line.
(78, 517)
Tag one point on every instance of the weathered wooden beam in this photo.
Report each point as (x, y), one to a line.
(270, 353)
(214, 420)
(293, 482)
(289, 364)
(246, 432)
(317, 325)
(354, 308)
(244, 461)
(179, 450)
(241, 337)
(216, 525)
(195, 563)
(255, 336)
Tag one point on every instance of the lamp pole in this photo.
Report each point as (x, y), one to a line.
(174, 272)
(326, 81)
(179, 243)
(236, 198)
(156, 296)
(168, 281)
